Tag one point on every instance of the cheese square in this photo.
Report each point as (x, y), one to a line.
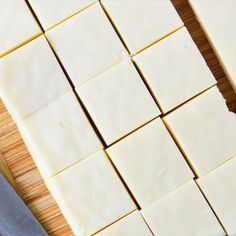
(144, 23)
(30, 78)
(90, 195)
(17, 25)
(132, 224)
(183, 212)
(52, 12)
(59, 135)
(218, 20)
(150, 163)
(205, 130)
(86, 44)
(219, 187)
(175, 70)
(118, 101)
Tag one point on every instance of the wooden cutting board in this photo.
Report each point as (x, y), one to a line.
(28, 181)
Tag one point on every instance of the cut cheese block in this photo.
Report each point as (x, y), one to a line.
(218, 19)
(150, 163)
(219, 187)
(86, 44)
(131, 225)
(90, 195)
(144, 23)
(59, 135)
(52, 12)
(175, 70)
(183, 212)
(118, 101)
(30, 78)
(17, 25)
(205, 130)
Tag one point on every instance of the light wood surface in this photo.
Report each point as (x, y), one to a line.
(27, 178)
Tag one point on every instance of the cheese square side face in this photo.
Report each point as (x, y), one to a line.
(30, 78)
(205, 130)
(132, 224)
(118, 101)
(90, 195)
(52, 12)
(150, 163)
(219, 187)
(175, 70)
(59, 135)
(144, 23)
(182, 212)
(86, 44)
(17, 25)
(218, 19)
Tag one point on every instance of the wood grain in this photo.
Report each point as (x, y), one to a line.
(26, 176)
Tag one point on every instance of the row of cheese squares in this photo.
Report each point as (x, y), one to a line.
(30, 78)
(205, 130)
(17, 25)
(182, 212)
(219, 187)
(97, 46)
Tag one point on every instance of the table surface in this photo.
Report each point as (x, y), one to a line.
(27, 178)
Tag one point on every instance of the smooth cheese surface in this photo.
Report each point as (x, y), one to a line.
(130, 225)
(219, 187)
(205, 130)
(118, 101)
(183, 212)
(218, 19)
(143, 23)
(90, 195)
(51, 12)
(17, 25)
(175, 70)
(150, 163)
(86, 44)
(59, 135)
(30, 78)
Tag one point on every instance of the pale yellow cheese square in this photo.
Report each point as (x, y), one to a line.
(219, 187)
(118, 101)
(30, 78)
(218, 19)
(140, 24)
(59, 135)
(183, 212)
(205, 130)
(52, 12)
(90, 195)
(17, 25)
(175, 70)
(150, 163)
(86, 44)
(131, 225)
